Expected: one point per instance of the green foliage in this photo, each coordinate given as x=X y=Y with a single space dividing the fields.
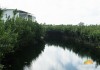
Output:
x=89 y=33
x=17 y=33
x=15 y=12
x=7 y=39
x=1 y=11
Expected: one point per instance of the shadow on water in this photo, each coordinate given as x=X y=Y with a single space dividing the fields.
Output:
x=81 y=48
x=17 y=60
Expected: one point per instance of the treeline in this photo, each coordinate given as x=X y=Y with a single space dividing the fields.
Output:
x=17 y=33
x=90 y=33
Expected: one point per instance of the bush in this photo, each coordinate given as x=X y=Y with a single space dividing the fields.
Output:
x=17 y=33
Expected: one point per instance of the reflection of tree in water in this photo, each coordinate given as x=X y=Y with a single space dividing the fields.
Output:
x=22 y=57
x=83 y=49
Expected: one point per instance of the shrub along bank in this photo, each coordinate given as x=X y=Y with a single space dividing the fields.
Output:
x=89 y=34
x=17 y=33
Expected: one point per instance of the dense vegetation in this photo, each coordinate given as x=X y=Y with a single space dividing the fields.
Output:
x=88 y=34
x=18 y=33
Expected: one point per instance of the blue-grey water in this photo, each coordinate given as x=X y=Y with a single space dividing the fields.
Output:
x=56 y=58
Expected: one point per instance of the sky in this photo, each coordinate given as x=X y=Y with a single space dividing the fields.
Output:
x=58 y=11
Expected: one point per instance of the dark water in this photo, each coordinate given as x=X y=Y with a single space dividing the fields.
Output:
x=22 y=57
x=57 y=58
x=54 y=56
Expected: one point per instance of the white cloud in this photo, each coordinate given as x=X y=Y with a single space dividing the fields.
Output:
x=59 y=11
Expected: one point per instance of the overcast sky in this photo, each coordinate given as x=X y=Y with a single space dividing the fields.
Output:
x=59 y=11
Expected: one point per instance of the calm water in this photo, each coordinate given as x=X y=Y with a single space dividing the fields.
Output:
x=57 y=58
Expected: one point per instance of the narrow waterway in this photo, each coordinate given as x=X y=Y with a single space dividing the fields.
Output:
x=59 y=58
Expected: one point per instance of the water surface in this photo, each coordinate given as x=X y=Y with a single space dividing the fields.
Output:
x=57 y=58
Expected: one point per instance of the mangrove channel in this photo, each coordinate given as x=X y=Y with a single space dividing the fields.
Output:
x=27 y=45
